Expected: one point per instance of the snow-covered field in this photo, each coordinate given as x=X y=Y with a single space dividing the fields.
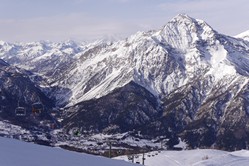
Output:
x=17 y=153
x=199 y=157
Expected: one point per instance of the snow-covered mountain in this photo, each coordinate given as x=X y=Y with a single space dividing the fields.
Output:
x=161 y=60
x=184 y=80
x=243 y=35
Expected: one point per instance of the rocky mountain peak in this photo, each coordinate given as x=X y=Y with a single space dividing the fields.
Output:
x=182 y=32
x=182 y=18
x=243 y=35
x=187 y=22
x=2 y=43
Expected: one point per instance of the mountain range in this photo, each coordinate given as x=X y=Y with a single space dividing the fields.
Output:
x=185 y=80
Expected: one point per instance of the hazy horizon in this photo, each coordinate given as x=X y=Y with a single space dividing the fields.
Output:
x=85 y=20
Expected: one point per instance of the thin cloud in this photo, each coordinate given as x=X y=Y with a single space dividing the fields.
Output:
x=77 y=26
x=200 y=5
x=227 y=16
x=122 y=1
x=89 y=20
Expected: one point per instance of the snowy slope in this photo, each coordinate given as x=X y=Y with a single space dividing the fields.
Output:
x=200 y=157
x=13 y=153
x=161 y=60
x=16 y=153
x=243 y=35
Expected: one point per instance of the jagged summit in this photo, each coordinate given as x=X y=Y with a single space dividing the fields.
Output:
x=187 y=20
x=182 y=17
x=183 y=31
x=2 y=43
x=243 y=35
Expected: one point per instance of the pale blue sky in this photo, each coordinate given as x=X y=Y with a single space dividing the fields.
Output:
x=84 y=20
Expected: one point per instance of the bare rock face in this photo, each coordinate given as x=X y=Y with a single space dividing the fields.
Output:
x=127 y=108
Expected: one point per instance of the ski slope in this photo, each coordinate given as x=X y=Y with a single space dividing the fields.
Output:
x=199 y=157
x=17 y=153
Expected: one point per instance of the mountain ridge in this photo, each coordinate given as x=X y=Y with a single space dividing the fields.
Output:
x=198 y=76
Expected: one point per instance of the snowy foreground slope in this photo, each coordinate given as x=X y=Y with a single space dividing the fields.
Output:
x=17 y=153
x=199 y=157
